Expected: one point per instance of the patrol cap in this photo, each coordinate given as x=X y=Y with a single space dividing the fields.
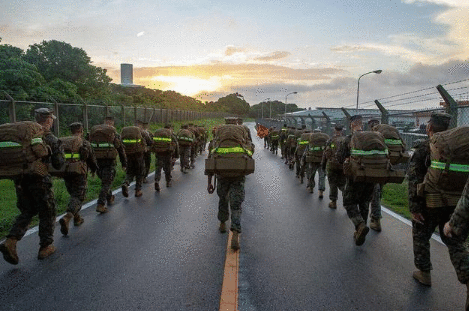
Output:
x=440 y=119
x=373 y=121
x=355 y=117
x=231 y=120
x=45 y=113
x=75 y=126
x=338 y=127
x=167 y=126
x=109 y=118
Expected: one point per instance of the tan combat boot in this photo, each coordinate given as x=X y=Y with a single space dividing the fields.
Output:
x=138 y=193
x=360 y=234
x=157 y=187
x=375 y=224
x=301 y=179
x=169 y=184
x=111 y=200
x=235 y=240
x=321 y=194
x=8 y=248
x=424 y=277
x=125 y=191
x=333 y=204
x=100 y=208
x=222 y=227
x=64 y=223
x=46 y=251
x=78 y=220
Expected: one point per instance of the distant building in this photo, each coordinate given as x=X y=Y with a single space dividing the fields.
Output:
x=127 y=74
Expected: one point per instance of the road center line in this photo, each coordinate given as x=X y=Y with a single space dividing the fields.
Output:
x=229 y=291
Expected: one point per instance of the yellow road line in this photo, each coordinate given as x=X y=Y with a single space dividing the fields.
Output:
x=229 y=291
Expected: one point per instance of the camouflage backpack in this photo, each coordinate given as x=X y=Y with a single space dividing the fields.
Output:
x=162 y=141
x=331 y=153
x=74 y=164
x=275 y=135
x=302 y=144
x=316 y=147
x=133 y=140
x=392 y=139
x=102 y=138
x=22 y=150
x=185 y=137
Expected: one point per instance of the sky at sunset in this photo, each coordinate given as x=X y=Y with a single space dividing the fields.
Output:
x=261 y=49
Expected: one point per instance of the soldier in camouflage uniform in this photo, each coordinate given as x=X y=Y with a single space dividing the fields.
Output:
x=375 y=205
x=136 y=168
x=163 y=161
x=424 y=219
x=76 y=184
x=311 y=168
x=107 y=171
x=335 y=172
x=193 y=154
x=356 y=195
x=184 y=151
x=35 y=197
x=457 y=229
x=282 y=140
x=147 y=154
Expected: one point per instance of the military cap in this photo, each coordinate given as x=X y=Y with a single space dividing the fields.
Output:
x=303 y=126
x=373 y=121
x=355 y=117
x=231 y=120
x=184 y=126
x=44 y=113
x=440 y=119
x=317 y=131
x=75 y=126
x=109 y=118
x=338 y=127
x=167 y=126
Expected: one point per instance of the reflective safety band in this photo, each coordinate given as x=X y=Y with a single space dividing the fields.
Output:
x=369 y=153
x=72 y=156
x=284 y=129
x=35 y=141
x=131 y=141
x=393 y=141
x=162 y=139
x=275 y=136
x=185 y=138
x=303 y=142
x=291 y=136
x=9 y=144
x=332 y=146
x=102 y=145
x=452 y=167
x=316 y=148
x=232 y=150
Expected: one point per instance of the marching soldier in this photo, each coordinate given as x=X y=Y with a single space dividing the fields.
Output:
x=375 y=205
x=185 y=140
x=164 y=157
x=35 y=197
x=147 y=154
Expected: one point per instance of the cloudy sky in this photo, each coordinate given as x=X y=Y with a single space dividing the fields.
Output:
x=264 y=49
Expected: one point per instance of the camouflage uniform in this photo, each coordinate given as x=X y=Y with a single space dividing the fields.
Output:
x=136 y=165
x=434 y=217
x=375 y=205
x=107 y=171
x=282 y=140
x=184 y=154
x=356 y=195
x=147 y=158
x=335 y=174
x=164 y=161
x=231 y=193
x=35 y=197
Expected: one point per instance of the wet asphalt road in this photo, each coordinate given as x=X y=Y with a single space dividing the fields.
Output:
x=163 y=252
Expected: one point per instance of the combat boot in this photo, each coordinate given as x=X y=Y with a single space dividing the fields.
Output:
x=301 y=180
x=100 y=208
x=64 y=223
x=157 y=187
x=145 y=181
x=424 y=277
x=8 y=249
x=46 y=251
x=235 y=240
x=333 y=204
x=375 y=224
x=138 y=193
x=125 y=191
x=222 y=227
x=311 y=189
x=169 y=184
x=110 y=201
x=321 y=194
x=78 y=220
x=360 y=234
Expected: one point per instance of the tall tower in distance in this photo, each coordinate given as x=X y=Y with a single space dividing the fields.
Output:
x=127 y=74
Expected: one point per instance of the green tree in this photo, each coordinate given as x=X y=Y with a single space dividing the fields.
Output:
x=235 y=104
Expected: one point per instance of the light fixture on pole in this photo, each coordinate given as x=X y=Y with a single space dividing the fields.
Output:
x=263 y=107
x=358 y=88
x=286 y=102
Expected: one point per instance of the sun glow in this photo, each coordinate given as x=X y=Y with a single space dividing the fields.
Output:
x=188 y=85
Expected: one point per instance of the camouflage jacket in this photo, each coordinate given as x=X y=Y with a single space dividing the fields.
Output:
x=460 y=218
x=343 y=150
x=87 y=153
x=418 y=166
x=120 y=149
x=330 y=151
x=57 y=157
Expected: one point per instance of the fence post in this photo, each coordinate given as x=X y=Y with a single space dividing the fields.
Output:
x=328 y=123
x=12 y=107
x=144 y=114
x=135 y=114
x=57 y=121
x=107 y=110
x=451 y=106
x=347 y=120
x=85 y=117
x=313 y=122
x=123 y=115
x=384 y=113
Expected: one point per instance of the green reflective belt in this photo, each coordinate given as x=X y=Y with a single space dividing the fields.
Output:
x=332 y=146
x=102 y=145
x=284 y=130
x=369 y=153
x=291 y=136
x=452 y=167
x=35 y=141
x=9 y=144
x=162 y=139
x=185 y=138
x=393 y=141
x=303 y=142
x=275 y=136
x=232 y=150
x=72 y=156
x=316 y=148
x=131 y=141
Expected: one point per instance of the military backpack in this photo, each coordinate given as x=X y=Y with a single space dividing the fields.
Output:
x=331 y=153
x=162 y=141
x=74 y=164
x=396 y=146
x=185 y=137
x=132 y=139
x=102 y=138
x=316 y=147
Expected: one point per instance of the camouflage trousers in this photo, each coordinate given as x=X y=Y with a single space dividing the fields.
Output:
x=337 y=180
x=422 y=233
x=231 y=194
x=282 y=149
x=35 y=197
x=357 y=196
x=163 y=162
x=311 y=169
x=106 y=172
x=147 y=158
x=135 y=169
x=76 y=186
x=184 y=156
x=298 y=165
x=274 y=146
x=193 y=154
x=376 y=202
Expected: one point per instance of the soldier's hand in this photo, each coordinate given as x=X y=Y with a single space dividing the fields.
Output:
x=448 y=230
x=418 y=218
x=210 y=188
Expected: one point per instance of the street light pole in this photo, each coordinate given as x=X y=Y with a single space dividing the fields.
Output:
x=285 y=116
x=358 y=88
x=263 y=107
